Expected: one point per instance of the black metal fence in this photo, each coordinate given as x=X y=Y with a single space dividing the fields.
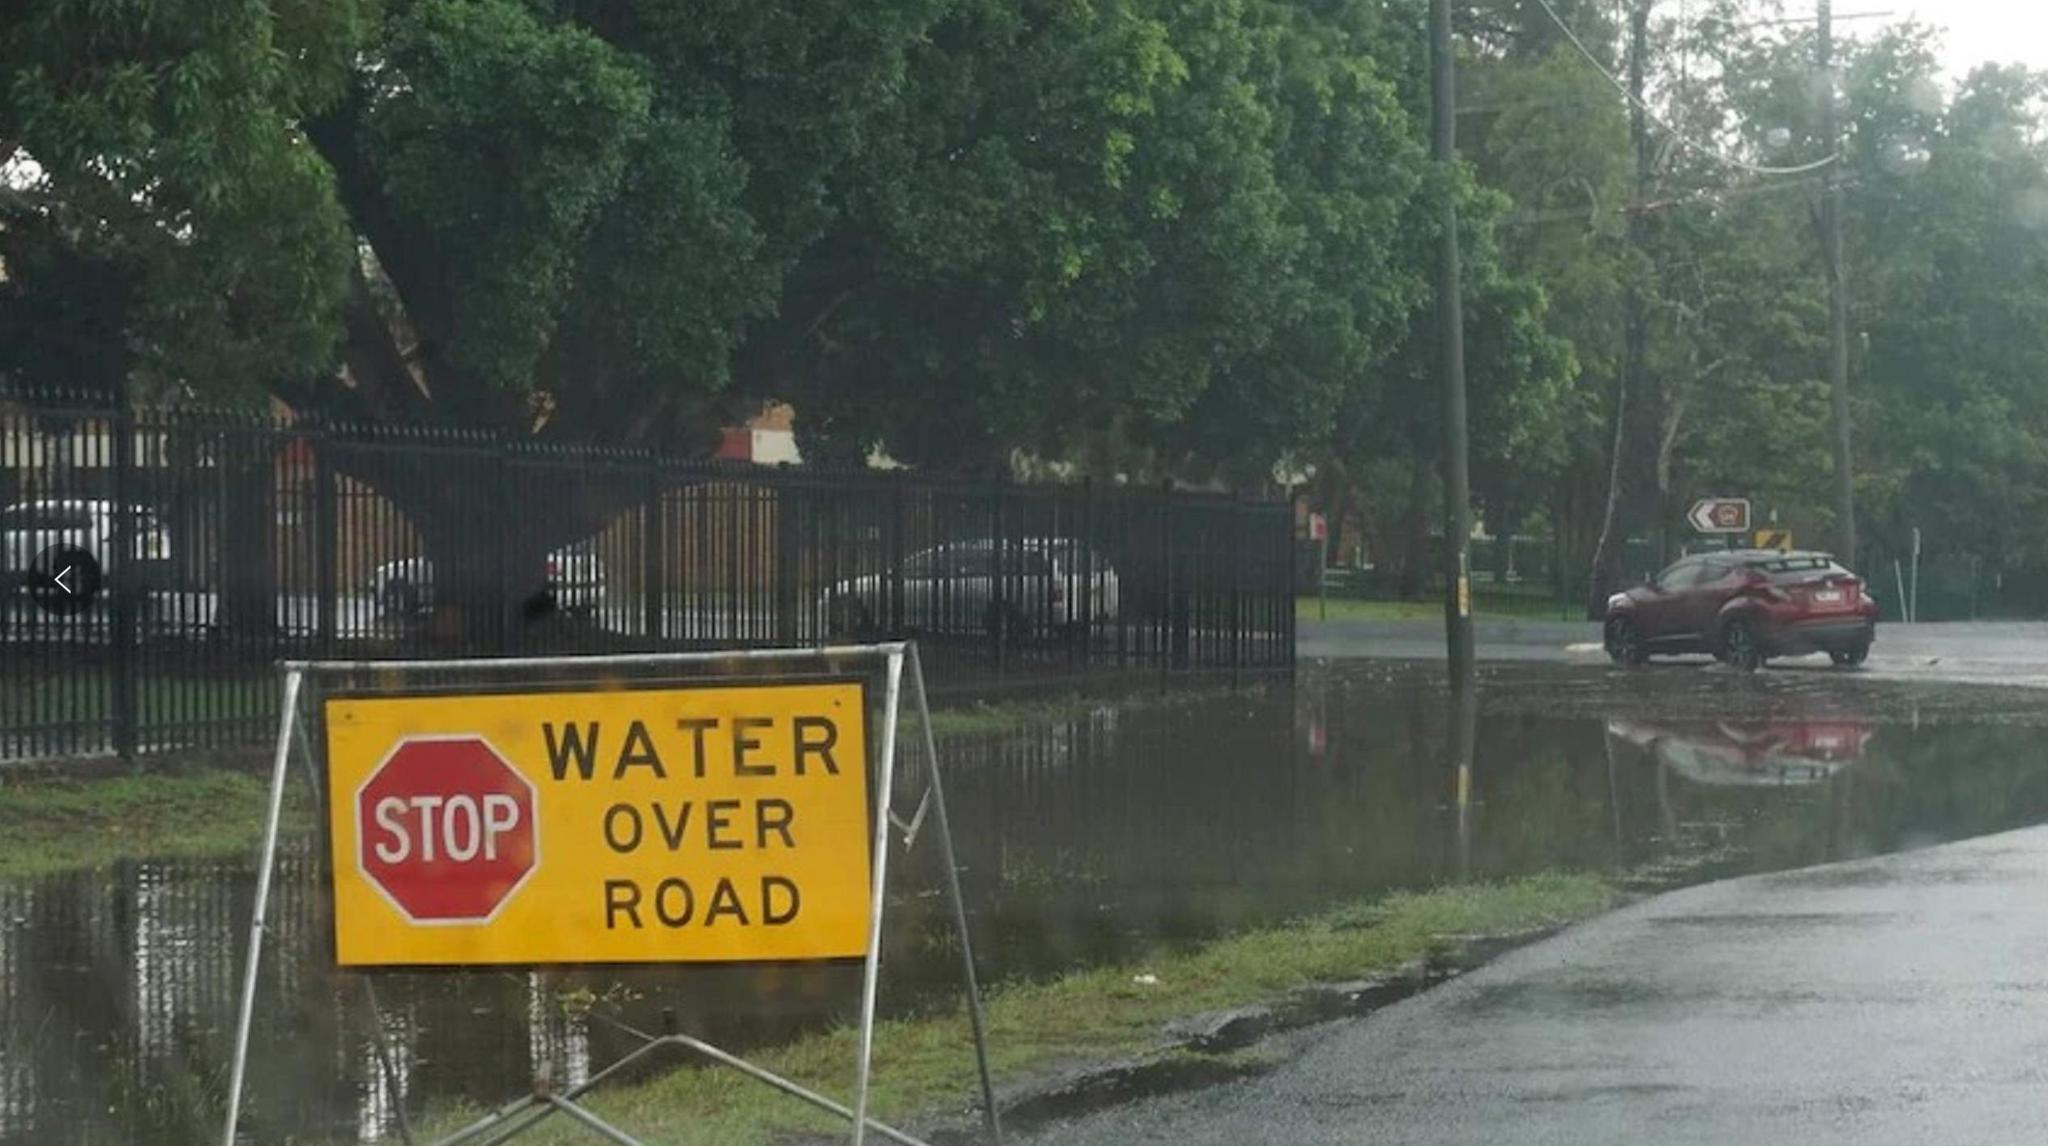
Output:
x=226 y=542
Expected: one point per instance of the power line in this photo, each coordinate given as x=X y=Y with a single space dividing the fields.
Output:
x=1704 y=148
x=1646 y=206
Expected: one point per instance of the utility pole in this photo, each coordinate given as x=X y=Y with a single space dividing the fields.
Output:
x=1451 y=361
x=1838 y=298
x=1636 y=333
x=1610 y=550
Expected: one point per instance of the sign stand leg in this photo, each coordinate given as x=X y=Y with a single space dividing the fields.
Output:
x=385 y=1066
x=285 y=716
x=991 y=1118
x=514 y=1118
x=871 y=978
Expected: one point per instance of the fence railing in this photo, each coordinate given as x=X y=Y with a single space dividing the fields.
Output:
x=225 y=542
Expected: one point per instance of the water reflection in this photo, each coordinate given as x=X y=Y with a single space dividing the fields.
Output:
x=1759 y=752
x=1095 y=839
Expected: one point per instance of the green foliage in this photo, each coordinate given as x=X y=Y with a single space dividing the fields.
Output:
x=162 y=154
x=1188 y=238
x=495 y=139
x=1192 y=230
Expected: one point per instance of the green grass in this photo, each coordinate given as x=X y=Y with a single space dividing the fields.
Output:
x=85 y=696
x=924 y=1068
x=982 y=718
x=51 y=824
x=1353 y=609
x=1488 y=605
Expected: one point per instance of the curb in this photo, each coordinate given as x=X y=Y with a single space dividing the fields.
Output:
x=1216 y=1047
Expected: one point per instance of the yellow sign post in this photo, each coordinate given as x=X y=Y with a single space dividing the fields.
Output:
x=658 y=825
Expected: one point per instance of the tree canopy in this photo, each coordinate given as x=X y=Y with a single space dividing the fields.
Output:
x=1148 y=238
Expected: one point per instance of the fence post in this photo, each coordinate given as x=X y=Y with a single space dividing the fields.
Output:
x=997 y=612
x=326 y=539
x=892 y=560
x=1290 y=613
x=122 y=629
x=788 y=553
x=1084 y=652
x=1169 y=633
x=1237 y=544
x=653 y=557
x=505 y=626
x=732 y=493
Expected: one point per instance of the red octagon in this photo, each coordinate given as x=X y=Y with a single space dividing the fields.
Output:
x=445 y=828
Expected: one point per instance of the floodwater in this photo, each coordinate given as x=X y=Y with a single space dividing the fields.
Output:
x=1100 y=838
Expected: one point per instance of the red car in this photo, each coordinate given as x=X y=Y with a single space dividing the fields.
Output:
x=1745 y=606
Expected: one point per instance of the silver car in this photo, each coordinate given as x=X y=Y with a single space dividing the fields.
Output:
x=1039 y=586
x=575 y=576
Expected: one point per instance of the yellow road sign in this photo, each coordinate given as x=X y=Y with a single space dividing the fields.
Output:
x=1779 y=539
x=663 y=825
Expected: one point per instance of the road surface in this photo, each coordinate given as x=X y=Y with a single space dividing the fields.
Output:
x=1902 y=1000
x=2006 y=652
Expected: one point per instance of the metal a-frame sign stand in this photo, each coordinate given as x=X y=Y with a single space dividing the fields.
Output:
x=511 y=1120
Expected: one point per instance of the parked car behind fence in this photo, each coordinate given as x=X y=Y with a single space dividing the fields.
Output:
x=576 y=580
x=1032 y=587
x=88 y=526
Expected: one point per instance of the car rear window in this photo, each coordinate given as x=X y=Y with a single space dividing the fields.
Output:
x=1798 y=568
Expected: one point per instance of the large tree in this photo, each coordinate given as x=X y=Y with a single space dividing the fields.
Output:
x=163 y=220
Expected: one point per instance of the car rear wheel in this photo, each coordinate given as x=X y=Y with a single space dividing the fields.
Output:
x=1740 y=647
x=1625 y=643
x=1850 y=657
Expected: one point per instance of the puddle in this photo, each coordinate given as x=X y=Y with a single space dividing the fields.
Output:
x=1095 y=839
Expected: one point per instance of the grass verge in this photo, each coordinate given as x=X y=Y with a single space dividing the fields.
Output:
x=50 y=822
x=982 y=718
x=1508 y=606
x=924 y=1069
x=53 y=823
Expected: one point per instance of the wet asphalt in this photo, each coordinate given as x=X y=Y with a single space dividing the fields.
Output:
x=1898 y=999
x=2004 y=652
x=1902 y=999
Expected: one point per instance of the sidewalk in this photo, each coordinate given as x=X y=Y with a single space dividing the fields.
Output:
x=1902 y=999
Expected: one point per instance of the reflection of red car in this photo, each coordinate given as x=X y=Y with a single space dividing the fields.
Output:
x=1750 y=753
x=1745 y=607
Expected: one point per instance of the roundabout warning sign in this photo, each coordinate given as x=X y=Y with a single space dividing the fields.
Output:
x=662 y=825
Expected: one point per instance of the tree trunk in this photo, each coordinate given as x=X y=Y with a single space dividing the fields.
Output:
x=487 y=523
x=246 y=578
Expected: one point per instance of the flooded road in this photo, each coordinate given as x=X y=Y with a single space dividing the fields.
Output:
x=1091 y=840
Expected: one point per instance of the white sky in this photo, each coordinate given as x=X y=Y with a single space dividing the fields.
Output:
x=1977 y=30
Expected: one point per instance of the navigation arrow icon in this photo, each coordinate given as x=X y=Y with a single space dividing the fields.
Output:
x=59 y=579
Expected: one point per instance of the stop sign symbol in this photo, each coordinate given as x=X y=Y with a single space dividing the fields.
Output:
x=445 y=828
